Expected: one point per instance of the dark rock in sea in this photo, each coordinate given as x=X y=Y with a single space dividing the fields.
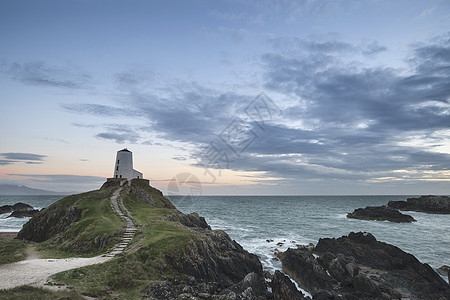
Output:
x=427 y=204
x=283 y=288
x=23 y=213
x=358 y=266
x=444 y=271
x=16 y=207
x=22 y=207
x=380 y=213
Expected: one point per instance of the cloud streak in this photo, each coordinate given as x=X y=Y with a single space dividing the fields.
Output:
x=40 y=74
x=15 y=157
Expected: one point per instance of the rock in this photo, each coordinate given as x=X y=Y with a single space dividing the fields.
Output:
x=386 y=266
x=23 y=213
x=283 y=288
x=444 y=271
x=214 y=257
x=380 y=213
x=5 y=209
x=193 y=220
x=16 y=207
x=428 y=204
x=160 y=290
x=252 y=285
x=49 y=222
x=22 y=207
x=301 y=265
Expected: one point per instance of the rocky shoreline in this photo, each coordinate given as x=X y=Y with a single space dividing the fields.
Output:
x=358 y=266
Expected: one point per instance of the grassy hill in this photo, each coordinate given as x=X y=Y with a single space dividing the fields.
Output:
x=169 y=247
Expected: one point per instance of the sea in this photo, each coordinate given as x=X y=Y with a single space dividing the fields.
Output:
x=266 y=224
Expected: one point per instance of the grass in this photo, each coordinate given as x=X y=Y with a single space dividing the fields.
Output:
x=28 y=292
x=126 y=275
x=98 y=222
x=12 y=250
x=129 y=273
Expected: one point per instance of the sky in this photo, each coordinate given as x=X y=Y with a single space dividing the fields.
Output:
x=232 y=97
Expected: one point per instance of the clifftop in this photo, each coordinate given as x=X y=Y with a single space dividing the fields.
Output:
x=171 y=253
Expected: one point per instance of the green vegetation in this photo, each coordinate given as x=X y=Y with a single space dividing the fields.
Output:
x=12 y=250
x=157 y=237
x=98 y=230
x=159 y=240
x=28 y=292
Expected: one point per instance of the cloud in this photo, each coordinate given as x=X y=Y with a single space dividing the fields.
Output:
x=342 y=119
x=62 y=178
x=120 y=134
x=15 y=157
x=39 y=73
x=99 y=110
x=358 y=115
x=373 y=48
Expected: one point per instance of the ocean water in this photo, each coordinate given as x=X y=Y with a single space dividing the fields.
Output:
x=265 y=224
x=15 y=224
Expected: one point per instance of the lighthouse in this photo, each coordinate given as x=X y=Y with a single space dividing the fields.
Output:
x=124 y=166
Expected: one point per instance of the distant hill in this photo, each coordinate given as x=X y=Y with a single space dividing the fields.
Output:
x=10 y=189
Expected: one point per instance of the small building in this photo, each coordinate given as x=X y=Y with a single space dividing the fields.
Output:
x=124 y=166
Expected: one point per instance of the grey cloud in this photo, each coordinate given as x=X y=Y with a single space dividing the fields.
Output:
x=373 y=48
x=23 y=156
x=99 y=110
x=39 y=73
x=15 y=157
x=119 y=138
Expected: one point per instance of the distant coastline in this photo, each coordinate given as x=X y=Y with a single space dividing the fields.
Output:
x=21 y=190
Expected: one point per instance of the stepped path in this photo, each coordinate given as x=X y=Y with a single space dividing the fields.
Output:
x=35 y=271
x=130 y=230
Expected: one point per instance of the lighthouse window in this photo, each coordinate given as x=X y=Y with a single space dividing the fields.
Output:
x=117 y=161
x=117 y=169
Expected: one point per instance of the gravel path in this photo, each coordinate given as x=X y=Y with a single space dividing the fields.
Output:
x=34 y=271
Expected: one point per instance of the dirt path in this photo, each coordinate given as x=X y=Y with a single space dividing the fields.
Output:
x=32 y=253
x=35 y=271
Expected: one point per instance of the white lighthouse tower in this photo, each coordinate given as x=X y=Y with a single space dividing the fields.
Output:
x=124 y=166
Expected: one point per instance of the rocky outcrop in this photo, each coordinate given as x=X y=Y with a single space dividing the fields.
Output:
x=49 y=222
x=192 y=220
x=427 y=204
x=250 y=287
x=283 y=288
x=214 y=257
x=380 y=213
x=358 y=266
x=16 y=207
x=23 y=213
